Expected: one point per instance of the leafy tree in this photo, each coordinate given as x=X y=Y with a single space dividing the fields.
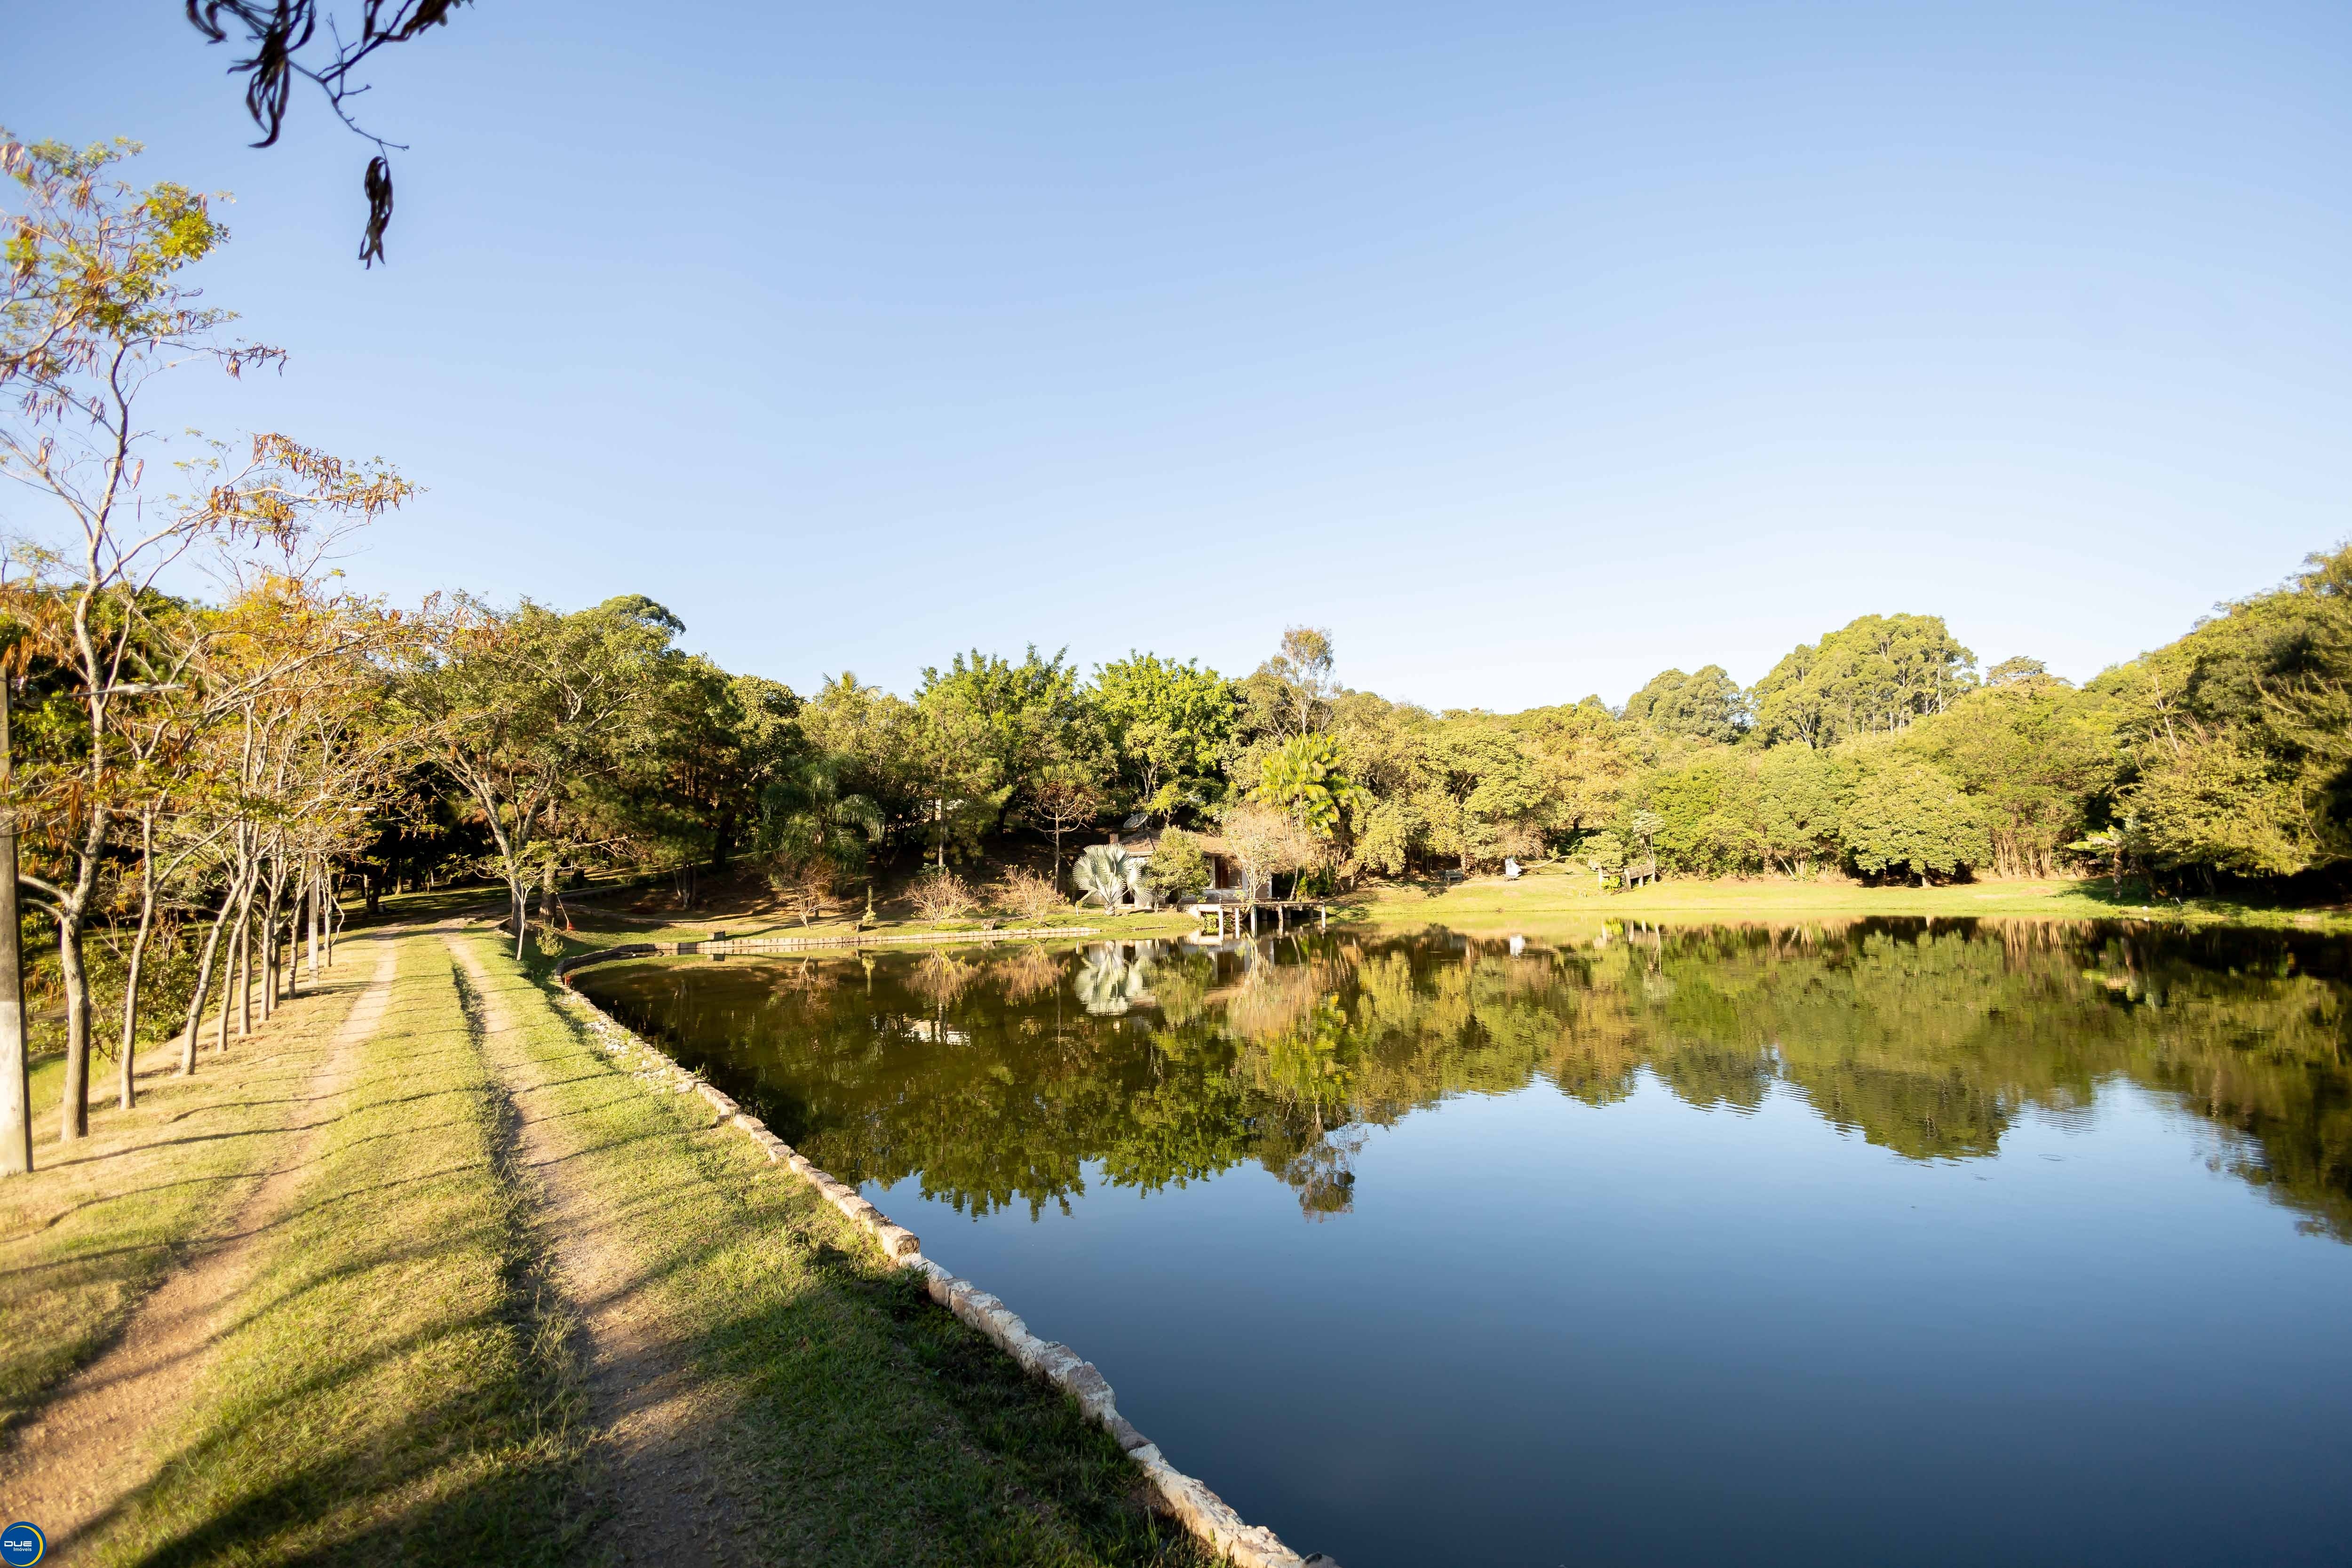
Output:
x=1177 y=868
x=1796 y=810
x=1302 y=778
x=1706 y=706
x=1385 y=842
x=2238 y=737
x=2215 y=802
x=1485 y=799
x=2036 y=756
x=1583 y=760
x=815 y=830
x=1172 y=726
x=1902 y=814
x=1291 y=694
x=94 y=307
x=1267 y=841
x=1873 y=676
x=988 y=727
x=1700 y=817
x=876 y=738
x=523 y=708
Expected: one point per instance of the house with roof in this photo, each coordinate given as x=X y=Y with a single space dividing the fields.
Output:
x=1227 y=882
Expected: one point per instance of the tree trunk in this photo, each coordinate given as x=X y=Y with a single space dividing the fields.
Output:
x=245 y=968
x=236 y=931
x=315 y=881
x=129 y=1088
x=270 y=975
x=204 y=986
x=15 y=1070
x=73 y=1113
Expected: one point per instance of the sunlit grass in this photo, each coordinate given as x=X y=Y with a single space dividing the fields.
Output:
x=399 y=1381
x=85 y=1237
x=389 y=1390
x=1560 y=896
x=869 y=1426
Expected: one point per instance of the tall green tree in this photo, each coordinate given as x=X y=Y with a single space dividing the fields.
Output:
x=1172 y=728
x=2035 y=754
x=1901 y=815
x=1873 y=676
x=1708 y=705
x=526 y=708
x=1303 y=778
x=988 y=727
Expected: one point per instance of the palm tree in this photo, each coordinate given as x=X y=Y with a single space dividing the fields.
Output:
x=1304 y=778
x=807 y=819
x=1106 y=872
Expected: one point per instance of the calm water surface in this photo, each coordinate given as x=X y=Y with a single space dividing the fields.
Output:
x=1831 y=1244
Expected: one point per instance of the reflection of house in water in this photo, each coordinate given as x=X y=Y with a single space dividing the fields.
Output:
x=935 y=1032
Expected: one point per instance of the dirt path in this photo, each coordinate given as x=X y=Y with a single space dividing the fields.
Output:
x=86 y=1449
x=670 y=1498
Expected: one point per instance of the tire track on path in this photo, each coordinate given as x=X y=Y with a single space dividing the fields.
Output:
x=671 y=1507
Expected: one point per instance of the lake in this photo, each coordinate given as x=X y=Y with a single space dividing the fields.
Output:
x=1862 y=1243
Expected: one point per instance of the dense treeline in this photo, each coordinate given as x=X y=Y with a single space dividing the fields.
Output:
x=1880 y=752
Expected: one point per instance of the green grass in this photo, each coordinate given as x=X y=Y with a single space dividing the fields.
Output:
x=391 y=1390
x=1556 y=896
x=400 y=1382
x=868 y=1426
x=90 y=1232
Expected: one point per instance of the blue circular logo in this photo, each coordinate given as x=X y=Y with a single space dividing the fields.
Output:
x=22 y=1544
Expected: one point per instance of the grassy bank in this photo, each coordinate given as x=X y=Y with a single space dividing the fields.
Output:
x=1553 y=895
x=400 y=1378
x=865 y=1423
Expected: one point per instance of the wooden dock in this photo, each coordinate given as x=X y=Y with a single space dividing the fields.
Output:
x=1245 y=913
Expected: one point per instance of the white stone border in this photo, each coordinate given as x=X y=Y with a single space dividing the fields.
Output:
x=1185 y=1499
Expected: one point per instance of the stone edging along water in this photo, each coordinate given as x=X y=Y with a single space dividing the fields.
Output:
x=1187 y=1500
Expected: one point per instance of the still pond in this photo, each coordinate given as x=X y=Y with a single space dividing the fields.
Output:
x=1849 y=1243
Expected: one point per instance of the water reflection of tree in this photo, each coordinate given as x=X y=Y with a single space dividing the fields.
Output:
x=941 y=978
x=1029 y=973
x=1929 y=1041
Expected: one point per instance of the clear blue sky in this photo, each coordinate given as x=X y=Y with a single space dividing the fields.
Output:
x=1529 y=349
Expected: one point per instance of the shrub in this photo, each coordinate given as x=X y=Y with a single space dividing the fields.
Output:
x=941 y=895
x=1177 y=868
x=1029 y=895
